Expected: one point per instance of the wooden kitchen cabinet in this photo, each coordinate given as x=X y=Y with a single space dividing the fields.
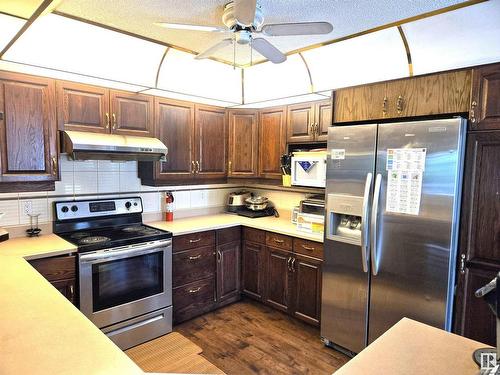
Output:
x=309 y=122
x=272 y=141
x=100 y=110
x=28 y=128
x=211 y=142
x=243 y=143
x=278 y=278
x=485 y=102
x=228 y=265
x=82 y=107
x=132 y=114
x=253 y=269
x=306 y=304
x=442 y=93
x=479 y=254
x=174 y=121
x=60 y=271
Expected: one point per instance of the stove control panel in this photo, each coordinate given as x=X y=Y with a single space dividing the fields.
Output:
x=98 y=207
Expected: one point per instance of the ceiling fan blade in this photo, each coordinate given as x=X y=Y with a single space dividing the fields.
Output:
x=267 y=50
x=244 y=11
x=300 y=28
x=180 y=26
x=208 y=52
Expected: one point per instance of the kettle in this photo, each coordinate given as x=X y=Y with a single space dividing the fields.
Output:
x=236 y=200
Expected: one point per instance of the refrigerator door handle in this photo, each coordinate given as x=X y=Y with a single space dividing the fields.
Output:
x=365 y=245
x=373 y=229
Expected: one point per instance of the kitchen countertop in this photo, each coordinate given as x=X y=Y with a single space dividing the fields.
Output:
x=195 y=224
x=410 y=347
x=36 y=247
x=43 y=333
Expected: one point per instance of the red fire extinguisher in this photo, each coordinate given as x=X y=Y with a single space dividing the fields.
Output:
x=169 y=207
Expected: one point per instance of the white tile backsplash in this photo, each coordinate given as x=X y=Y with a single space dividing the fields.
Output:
x=108 y=182
x=108 y=166
x=65 y=186
x=10 y=209
x=66 y=164
x=38 y=206
x=85 y=165
x=128 y=166
x=85 y=182
x=182 y=199
x=129 y=181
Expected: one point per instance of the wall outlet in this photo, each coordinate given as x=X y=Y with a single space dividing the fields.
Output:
x=28 y=207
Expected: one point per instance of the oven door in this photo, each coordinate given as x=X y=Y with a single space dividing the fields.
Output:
x=125 y=282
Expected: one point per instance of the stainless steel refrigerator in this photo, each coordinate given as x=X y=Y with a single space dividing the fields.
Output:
x=391 y=229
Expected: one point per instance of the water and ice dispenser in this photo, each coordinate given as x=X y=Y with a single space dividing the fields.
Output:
x=344 y=218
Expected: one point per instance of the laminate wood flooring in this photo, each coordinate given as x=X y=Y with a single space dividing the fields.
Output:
x=250 y=338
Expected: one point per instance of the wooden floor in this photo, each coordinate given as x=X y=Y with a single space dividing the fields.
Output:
x=250 y=338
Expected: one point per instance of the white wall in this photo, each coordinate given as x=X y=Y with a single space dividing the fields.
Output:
x=100 y=179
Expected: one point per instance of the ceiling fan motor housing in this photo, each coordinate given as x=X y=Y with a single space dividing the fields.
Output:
x=232 y=23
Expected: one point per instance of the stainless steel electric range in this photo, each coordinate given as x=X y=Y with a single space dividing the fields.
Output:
x=124 y=267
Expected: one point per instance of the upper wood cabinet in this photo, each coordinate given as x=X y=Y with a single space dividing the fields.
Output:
x=132 y=114
x=485 y=102
x=28 y=128
x=211 y=142
x=441 y=93
x=243 y=143
x=308 y=122
x=100 y=110
x=82 y=107
x=272 y=141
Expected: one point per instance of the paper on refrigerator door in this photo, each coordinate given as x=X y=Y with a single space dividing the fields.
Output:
x=337 y=154
x=405 y=168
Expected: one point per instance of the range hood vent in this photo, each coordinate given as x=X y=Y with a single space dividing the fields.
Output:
x=85 y=146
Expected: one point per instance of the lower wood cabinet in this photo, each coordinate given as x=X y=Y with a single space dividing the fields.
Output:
x=60 y=272
x=253 y=270
x=193 y=299
x=228 y=265
x=306 y=299
x=278 y=279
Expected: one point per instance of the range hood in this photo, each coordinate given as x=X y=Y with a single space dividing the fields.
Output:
x=84 y=146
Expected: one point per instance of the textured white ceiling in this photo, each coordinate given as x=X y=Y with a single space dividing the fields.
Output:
x=347 y=17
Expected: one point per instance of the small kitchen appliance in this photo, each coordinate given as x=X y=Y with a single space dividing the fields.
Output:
x=309 y=168
x=124 y=267
x=311 y=215
x=4 y=235
x=236 y=200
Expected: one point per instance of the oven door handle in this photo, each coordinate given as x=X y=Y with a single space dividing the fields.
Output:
x=108 y=255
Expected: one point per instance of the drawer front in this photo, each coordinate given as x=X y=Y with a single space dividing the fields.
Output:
x=56 y=268
x=192 y=265
x=193 y=240
x=254 y=235
x=193 y=299
x=309 y=248
x=279 y=241
x=228 y=235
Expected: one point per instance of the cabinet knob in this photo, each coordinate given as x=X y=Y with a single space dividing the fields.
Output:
x=54 y=165
x=194 y=241
x=462 y=264
x=384 y=105
x=195 y=257
x=473 y=106
x=293 y=264
x=114 y=121
x=197 y=166
x=229 y=167
x=107 y=120
x=400 y=104
x=288 y=264
x=194 y=290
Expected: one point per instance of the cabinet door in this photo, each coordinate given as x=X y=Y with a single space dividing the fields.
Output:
x=477 y=320
x=243 y=143
x=82 y=107
x=481 y=209
x=272 y=142
x=278 y=276
x=485 y=107
x=211 y=142
x=360 y=103
x=132 y=114
x=175 y=128
x=228 y=272
x=28 y=129
x=307 y=289
x=300 y=122
x=429 y=95
x=66 y=288
x=323 y=111
x=253 y=270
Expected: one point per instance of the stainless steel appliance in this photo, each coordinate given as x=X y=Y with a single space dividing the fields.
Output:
x=124 y=267
x=309 y=168
x=236 y=200
x=392 y=212
x=86 y=145
x=313 y=206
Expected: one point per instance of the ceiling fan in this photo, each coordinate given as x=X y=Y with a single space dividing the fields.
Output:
x=244 y=19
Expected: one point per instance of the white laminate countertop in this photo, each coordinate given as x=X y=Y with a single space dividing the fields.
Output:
x=210 y=222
